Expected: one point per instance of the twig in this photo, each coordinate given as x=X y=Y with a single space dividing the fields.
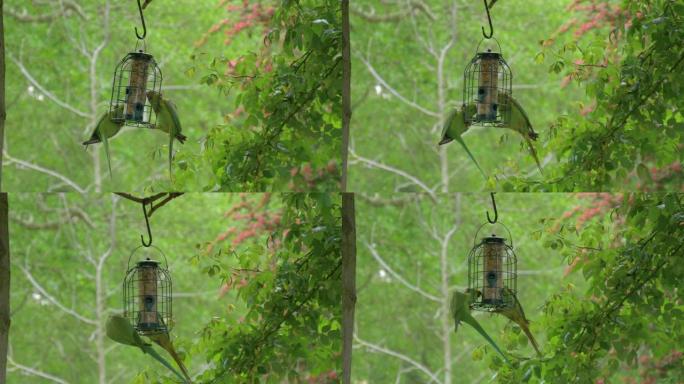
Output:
x=9 y=159
x=47 y=93
x=398 y=355
x=393 y=91
x=54 y=301
x=396 y=171
x=400 y=278
x=35 y=372
x=151 y=199
x=66 y=7
x=413 y=5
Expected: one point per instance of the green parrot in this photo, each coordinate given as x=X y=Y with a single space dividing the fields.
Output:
x=520 y=123
x=106 y=129
x=120 y=330
x=517 y=315
x=456 y=126
x=460 y=310
x=164 y=341
x=167 y=119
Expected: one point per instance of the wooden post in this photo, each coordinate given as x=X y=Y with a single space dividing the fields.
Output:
x=346 y=92
x=4 y=281
x=348 y=283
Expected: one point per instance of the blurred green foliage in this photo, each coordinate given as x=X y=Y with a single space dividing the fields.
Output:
x=598 y=78
x=599 y=278
x=246 y=269
x=277 y=117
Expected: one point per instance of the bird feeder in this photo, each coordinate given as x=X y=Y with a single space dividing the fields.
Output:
x=147 y=295
x=487 y=84
x=135 y=74
x=492 y=270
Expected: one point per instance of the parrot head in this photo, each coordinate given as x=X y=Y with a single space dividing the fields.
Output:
x=154 y=98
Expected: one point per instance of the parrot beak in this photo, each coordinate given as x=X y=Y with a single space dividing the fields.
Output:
x=445 y=140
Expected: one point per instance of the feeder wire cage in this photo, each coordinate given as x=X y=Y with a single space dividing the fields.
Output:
x=492 y=273
x=135 y=75
x=487 y=89
x=147 y=291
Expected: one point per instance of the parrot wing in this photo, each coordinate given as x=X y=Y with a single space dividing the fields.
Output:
x=119 y=329
x=520 y=123
x=454 y=127
x=461 y=312
x=445 y=137
x=517 y=109
x=173 y=113
x=95 y=136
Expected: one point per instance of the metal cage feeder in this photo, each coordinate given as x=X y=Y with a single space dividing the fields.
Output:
x=492 y=269
x=147 y=291
x=134 y=76
x=487 y=80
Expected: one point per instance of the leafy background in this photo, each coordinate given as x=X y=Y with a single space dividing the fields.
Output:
x=580 y=69
x=598 y=278
x=237 y=70
x=256 y=286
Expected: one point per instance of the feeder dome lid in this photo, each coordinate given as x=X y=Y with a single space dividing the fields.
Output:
x=489 y=54
x=493 y=239
x=148 y=263
x=140 y=55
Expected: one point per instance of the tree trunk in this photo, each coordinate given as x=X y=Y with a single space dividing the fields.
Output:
x=2 y=88
x=4 y=221
x=348 y=282
x=4 y=282
x=346 y=92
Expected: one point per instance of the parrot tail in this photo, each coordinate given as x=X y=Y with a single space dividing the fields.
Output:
x=473 y=323
x=463 y=144
x=148 y=349
x=180 y=137
x=533 y=152
x=532 y=340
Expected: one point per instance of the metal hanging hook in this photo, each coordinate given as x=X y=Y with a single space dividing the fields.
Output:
x=489 y=18
x=149 y=231
x=496 y=213
x=142 y=18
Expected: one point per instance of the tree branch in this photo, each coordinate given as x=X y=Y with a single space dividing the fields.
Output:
x=399 y=356
x=54 y=301
x=67 y=7
x=393 y=91
x=35 y=167
x=397 y=276
x=34 y=372
x=399 y=172
x=413 y=6
x=42 y=89
x=151 y=199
